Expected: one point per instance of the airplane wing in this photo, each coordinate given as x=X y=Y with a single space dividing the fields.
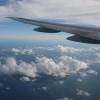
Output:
x=84 y=33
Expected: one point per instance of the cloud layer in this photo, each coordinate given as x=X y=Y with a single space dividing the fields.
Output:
x=52 y=8
x=67 y=61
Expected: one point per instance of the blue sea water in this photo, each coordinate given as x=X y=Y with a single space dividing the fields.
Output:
x=48 y=87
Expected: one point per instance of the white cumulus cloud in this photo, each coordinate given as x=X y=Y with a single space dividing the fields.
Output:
x=11 y=67
x=64 y=66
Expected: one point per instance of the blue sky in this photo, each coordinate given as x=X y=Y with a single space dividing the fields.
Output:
x=3 y=2
x=17 y=30
x=14 y=27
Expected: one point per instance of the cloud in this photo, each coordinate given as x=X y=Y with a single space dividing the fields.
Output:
x=92 y=72
x=89 y=55
x=61 y=82
x=83 y=74
x=83 y=93
x=22 y=51
x=64 y=66
x=11 y=67
x=7 y=88
x=66 y=98
x=67 y=61
x=67 y=50
x=23 y=78
x=52 y=8
x=44 y=88
x=86 y=73
x=79 y=80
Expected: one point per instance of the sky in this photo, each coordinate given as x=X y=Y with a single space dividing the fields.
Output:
x=56 y=60
x=85 y=11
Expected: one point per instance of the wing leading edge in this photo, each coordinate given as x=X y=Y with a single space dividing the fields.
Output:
x=90 y=32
